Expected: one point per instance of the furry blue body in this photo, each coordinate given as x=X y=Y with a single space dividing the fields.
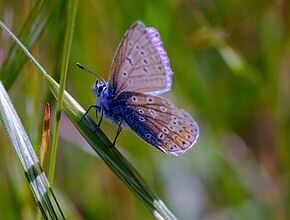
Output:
x=115 y=108
x=109 y=104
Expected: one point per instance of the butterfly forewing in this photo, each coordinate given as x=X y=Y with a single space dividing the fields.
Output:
x=159 y=122
x=141 y=63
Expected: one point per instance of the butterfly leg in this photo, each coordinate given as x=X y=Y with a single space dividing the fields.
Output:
x=92 y=106
x=101 y=117
x=118 y=132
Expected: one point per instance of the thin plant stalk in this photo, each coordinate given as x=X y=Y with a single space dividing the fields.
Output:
x=73 y=5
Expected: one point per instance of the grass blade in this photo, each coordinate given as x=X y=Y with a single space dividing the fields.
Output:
x=32 y=30
x=72 y=12
x=38 y=182
x=102 y=145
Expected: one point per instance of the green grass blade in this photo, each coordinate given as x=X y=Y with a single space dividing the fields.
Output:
x=72 y=12
x=102 y=145
x=32 y=30
x=38 y=182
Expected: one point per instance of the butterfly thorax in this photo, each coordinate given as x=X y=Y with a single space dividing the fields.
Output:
x=107 y=103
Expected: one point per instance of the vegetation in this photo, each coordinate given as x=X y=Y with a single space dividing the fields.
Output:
x=231 y=73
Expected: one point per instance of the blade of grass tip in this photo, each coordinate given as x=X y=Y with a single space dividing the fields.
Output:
x=102 y=145
x=32 y=30
x=72 y=12
x=45 y=142
x=38 y=182
x=45 y=137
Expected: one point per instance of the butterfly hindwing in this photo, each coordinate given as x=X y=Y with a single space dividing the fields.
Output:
x=156 y=120
x=141 y=63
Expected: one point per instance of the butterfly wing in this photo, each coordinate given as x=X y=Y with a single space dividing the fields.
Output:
x=156 y=120
x=141 y=63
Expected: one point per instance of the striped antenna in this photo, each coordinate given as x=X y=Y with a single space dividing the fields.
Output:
x=86 y=69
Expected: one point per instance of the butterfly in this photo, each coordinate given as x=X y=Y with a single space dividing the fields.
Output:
x=140 y=72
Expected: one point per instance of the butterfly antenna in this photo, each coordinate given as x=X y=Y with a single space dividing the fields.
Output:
x=86 y=69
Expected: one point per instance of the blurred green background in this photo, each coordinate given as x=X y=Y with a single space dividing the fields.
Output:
x=231 y=63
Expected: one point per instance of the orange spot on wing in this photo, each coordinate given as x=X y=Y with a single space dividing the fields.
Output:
x=185 y=133
x=178 y=141
x=167 y=144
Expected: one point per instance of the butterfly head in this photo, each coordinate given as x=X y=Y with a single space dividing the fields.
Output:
x=99 y=88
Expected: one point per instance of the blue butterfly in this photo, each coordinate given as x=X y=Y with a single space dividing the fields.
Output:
x=139 y=73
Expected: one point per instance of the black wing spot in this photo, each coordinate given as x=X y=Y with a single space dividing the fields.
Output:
x=129 y=60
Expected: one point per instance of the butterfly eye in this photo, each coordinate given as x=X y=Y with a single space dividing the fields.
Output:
x=101 y=88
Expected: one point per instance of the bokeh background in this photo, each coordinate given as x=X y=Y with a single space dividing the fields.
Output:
x=231 y=63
